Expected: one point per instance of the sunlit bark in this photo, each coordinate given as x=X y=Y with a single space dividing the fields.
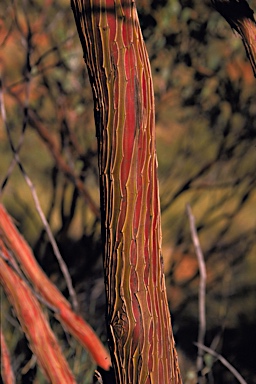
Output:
x=138 y=318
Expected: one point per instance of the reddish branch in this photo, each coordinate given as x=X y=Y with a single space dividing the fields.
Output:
x=240 y=17
x=6 y=368
x=34 y=324
x=42 y=284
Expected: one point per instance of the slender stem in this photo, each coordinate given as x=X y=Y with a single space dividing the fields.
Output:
x=202 y=288
x=31 y=186
x=222 y=359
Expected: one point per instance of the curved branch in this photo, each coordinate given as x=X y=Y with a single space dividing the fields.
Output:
x=240 y=17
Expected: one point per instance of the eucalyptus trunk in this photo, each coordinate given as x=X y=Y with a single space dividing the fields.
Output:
x=138 y=319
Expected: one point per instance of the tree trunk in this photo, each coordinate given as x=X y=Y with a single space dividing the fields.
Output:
x=240 y=17
x=138 y=319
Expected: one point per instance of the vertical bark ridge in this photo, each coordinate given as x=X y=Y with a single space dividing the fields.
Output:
x=141 y=339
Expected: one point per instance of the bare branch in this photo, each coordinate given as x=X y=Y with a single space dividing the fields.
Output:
x=240 y=17
x=11 y=262
x=222 y=359
x=202 y=287
x=61 y=163
x=31 y=186
x=6 y=367
x=98 y=377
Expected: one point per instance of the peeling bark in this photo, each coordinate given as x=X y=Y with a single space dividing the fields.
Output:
x=138 y=318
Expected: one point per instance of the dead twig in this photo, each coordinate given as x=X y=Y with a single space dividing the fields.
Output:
x=61 y=163
x=31 y=186
x=222 y=359
x=202 y=288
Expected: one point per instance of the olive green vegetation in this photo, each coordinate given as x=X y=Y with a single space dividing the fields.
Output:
x=206 y=144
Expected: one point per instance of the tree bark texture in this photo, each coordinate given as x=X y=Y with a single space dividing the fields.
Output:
x=140 y=333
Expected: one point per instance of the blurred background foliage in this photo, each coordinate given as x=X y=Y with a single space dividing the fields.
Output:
x=206 y=143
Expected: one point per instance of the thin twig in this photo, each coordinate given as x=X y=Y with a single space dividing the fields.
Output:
x=61 y=163
x=36 y=64
x=222 y=359
x=24 y=122
x=27 y=42
x=202 y=288
x=63 y=166
x=98 y=376
x=56 y=251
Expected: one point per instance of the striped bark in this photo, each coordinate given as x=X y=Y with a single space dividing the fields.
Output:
x=140 y=333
